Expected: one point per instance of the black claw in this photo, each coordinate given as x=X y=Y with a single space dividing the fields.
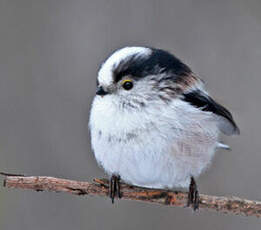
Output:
x=196 y=201
x=112 y=194
x=193 y=195
x=114 y=188
x=119 y=187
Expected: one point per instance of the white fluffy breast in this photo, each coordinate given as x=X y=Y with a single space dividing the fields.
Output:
x=160 y=146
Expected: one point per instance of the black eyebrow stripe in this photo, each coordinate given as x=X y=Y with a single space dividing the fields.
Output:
x=131 y=66
x=139 y=66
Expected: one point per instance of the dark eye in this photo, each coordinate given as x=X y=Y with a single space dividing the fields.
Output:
x=127 y=85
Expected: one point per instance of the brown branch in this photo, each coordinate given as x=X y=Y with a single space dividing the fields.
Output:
x=232 y=205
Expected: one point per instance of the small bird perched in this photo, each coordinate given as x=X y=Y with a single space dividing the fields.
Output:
x=152 y=122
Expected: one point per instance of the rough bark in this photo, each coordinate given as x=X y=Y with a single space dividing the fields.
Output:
x=231 y=205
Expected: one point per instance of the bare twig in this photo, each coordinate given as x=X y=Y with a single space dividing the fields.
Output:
x=232 y=205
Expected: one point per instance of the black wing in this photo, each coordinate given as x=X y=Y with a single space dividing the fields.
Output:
x=200 y=100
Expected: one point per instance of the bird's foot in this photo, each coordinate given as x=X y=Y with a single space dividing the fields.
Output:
x=193 y=195
x=114 y=189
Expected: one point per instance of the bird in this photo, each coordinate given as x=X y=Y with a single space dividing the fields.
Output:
x=152 y=122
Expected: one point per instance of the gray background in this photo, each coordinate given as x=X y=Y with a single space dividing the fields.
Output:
x=50 y=52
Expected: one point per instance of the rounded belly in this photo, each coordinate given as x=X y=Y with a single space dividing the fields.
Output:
x=155 y=164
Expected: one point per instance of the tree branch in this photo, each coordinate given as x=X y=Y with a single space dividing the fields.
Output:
x=232 y=205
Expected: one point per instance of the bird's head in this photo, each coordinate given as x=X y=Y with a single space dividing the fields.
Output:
x=135 y=76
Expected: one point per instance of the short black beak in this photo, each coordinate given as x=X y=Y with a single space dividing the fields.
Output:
x=100 y=91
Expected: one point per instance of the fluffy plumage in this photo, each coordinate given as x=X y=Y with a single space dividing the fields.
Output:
x=163 y=130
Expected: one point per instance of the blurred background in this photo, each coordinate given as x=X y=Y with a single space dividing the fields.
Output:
x=50 y=52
